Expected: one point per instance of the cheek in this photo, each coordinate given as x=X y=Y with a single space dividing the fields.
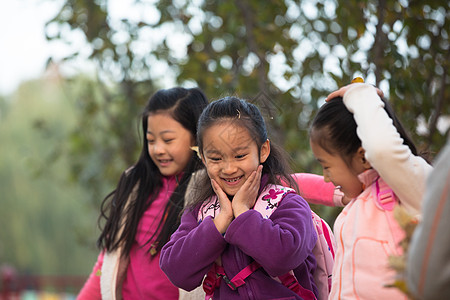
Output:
x=210 y=171
x=149 y=150
x=211 y=168
x=185 y=154
x=327 y=173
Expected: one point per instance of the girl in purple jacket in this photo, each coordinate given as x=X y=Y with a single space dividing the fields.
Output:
x=240 y=161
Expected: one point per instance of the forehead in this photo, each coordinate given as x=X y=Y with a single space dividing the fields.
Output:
x=227 y=135
x=162 y=122
x=320 y=153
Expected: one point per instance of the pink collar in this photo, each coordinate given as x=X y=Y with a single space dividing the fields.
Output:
x=368 y=177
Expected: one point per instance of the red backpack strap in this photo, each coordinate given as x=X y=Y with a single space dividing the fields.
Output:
x=212 y=280
x=289 y=281
x=239 y=279
x=216 y=273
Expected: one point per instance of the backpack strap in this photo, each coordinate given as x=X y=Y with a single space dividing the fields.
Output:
x=238 y=279
x=386 y=197
x=328 y=235
x=323 y=251
x=266 y=202
x=289 y=281
x=269 y=199
x=210 y=207
x=212 y=280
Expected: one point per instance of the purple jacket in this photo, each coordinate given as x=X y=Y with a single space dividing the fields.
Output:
x=281 y=243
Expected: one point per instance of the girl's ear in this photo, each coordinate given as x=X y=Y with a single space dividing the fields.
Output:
x=265 y=151
x=361 y=157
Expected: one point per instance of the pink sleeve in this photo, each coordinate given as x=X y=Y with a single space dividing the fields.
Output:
x=315 y=190
x=91 y=288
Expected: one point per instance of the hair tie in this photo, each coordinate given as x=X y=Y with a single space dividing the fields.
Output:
x=357 y=79
x=195 y=149
x=238 y=114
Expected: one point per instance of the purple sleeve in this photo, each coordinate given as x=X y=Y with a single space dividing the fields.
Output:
x=191 y=251
x=280 y=243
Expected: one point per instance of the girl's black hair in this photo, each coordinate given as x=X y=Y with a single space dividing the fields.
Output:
x=143 y=181
x=242 y=113
x=334 y=129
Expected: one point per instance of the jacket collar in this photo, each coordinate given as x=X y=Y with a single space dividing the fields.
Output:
x=368 y=177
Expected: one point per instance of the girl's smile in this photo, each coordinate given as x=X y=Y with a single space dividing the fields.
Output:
x=232 y=181
x=164 y=162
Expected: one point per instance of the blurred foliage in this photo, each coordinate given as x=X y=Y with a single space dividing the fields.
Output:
x=285 y=56
x=47 y=225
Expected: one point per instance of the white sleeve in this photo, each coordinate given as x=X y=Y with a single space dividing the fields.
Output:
x=404 y=172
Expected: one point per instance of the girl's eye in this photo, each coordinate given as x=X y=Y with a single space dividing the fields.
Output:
x=240 y=156
x=150 y=141
x=168 y=140
x=214 y=158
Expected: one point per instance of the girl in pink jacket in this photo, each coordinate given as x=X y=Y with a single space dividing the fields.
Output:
x=142 y=212
x=365 y=151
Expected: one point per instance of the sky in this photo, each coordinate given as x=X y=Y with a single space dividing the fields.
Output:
x=23 y=47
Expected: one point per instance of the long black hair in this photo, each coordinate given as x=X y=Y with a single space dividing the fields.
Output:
x=334 y=129
x=143 y=180
x=247 y=115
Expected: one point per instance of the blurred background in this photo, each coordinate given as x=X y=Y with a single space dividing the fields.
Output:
x=75 y=75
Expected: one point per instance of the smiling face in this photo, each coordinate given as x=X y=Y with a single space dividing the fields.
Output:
x=339 y=172
x=168 y=144
x=230 y=155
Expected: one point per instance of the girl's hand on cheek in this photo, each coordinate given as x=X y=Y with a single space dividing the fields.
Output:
x=225 y=216
x=246 y=197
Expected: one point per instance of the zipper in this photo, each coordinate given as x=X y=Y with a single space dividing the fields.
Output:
x=342 y=259
x=241 y=260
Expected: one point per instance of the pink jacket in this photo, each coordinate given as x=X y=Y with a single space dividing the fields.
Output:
x=366 y=235
x=139 y=275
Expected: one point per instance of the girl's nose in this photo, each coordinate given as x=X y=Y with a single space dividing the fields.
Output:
x=228 y=168
x=158 y=148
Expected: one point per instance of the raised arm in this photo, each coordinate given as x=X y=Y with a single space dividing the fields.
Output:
x=315 y=190
x=403 y=171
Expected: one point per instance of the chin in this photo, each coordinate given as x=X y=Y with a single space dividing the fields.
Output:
x=229 y=193
x=167 y=172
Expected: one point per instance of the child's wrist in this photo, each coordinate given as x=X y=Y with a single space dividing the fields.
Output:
x=240 y=210
x=222 y=222
x=338 y=197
